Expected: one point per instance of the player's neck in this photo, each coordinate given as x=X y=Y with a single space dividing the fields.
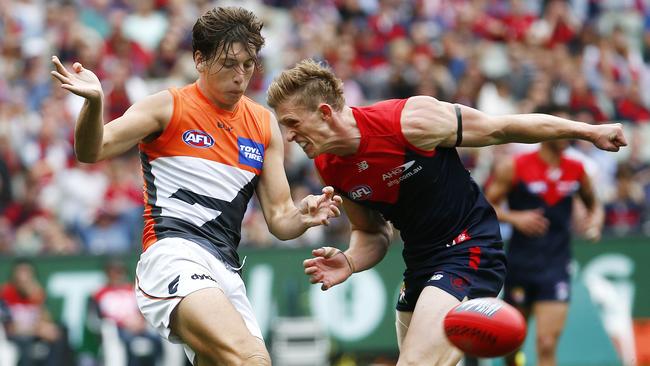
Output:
x=346 y=137
x=550 y=156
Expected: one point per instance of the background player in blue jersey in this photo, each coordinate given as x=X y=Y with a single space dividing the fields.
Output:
x=540 y=187
x=396 y=161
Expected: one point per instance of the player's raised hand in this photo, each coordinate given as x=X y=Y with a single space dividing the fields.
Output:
x=609 y=137
x=330 y=266
x=80 y=81
x=319 y=209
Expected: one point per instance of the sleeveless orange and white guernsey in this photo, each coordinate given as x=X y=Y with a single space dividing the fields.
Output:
x=200 y=173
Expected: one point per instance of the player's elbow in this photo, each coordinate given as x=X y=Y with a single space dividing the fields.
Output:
x=87 y=158
x=87 y=155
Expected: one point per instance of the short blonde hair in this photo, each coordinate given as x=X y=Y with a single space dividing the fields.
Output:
x=309 y=83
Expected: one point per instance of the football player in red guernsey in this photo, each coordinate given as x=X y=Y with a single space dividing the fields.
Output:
x=540 y=187
x=396 y=161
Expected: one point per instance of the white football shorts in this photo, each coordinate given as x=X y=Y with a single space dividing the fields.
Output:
x=173 y=268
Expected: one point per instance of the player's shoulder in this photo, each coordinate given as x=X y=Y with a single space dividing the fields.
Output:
x=160 y=105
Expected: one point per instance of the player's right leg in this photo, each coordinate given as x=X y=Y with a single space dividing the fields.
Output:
x=211 y=326
x=519 y=292
x=423 y=340
x=191 y=297
x=550 y=316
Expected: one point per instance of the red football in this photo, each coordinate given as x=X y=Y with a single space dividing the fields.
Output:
x=485 y=327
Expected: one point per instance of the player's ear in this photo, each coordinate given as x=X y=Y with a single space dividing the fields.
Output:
x=325 y=110
x=199 y=62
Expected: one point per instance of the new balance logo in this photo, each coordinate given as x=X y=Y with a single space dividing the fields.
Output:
x=363 y=165
x=173 y=286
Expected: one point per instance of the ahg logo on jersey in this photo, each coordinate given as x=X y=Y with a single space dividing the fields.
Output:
x=251 y=153
x=360 y=193
x=397 y=171
x=198 y=138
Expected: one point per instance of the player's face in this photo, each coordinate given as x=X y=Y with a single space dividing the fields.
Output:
x=304 y=127
x=227 y=78
x=557 y=146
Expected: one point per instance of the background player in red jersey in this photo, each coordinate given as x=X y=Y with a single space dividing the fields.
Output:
x=205 y=149
x=396 y=161
x=540 y=187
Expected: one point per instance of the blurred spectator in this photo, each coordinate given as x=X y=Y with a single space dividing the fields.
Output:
x=115 y=303
x=146 y=25
x=624 y=213
x=39 y=339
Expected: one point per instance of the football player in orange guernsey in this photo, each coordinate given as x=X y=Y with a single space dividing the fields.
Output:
x=205 y=148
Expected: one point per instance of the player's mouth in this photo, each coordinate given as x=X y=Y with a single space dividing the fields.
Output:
x=303 y=144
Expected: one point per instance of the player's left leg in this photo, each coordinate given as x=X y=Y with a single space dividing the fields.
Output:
x=424 y=341
x=550 y=317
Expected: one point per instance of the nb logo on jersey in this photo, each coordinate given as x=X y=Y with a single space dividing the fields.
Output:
x=363 y=165
x=360 y=193
x=198 y=138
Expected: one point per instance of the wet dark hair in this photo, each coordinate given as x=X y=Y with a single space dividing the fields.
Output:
x=217 y=29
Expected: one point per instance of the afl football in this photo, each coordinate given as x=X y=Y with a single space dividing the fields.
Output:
x=485 y=327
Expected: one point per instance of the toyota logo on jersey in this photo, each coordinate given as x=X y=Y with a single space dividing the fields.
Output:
x=198 y=138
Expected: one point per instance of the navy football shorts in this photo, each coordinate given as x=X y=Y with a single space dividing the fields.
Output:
x=524 y=287
x=475 y=268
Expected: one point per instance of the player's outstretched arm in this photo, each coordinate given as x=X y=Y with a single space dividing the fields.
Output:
x=94 y=140
x=284 y=218
x=369 y=241
x=428 y=122
x=480 y=129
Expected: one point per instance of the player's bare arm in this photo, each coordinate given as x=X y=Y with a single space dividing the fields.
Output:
x=480 y=129
x=428 y=122
x=529 y=222
x=369 y=240
x=94 y=140
x=595 y=212
x=284 y=219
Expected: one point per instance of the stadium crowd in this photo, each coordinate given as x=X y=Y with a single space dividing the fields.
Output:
x=591 y=57
x=498 y=56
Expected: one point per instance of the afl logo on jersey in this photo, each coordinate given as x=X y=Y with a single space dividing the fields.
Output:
x=198 y=138
x=360 y=193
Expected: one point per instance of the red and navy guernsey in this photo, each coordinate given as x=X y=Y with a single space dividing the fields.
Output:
x=429 y=196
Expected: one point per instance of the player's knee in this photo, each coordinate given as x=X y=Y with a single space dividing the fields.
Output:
x=258 y=359
x=546 y=344
x=254 y=354
x=246 y=354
